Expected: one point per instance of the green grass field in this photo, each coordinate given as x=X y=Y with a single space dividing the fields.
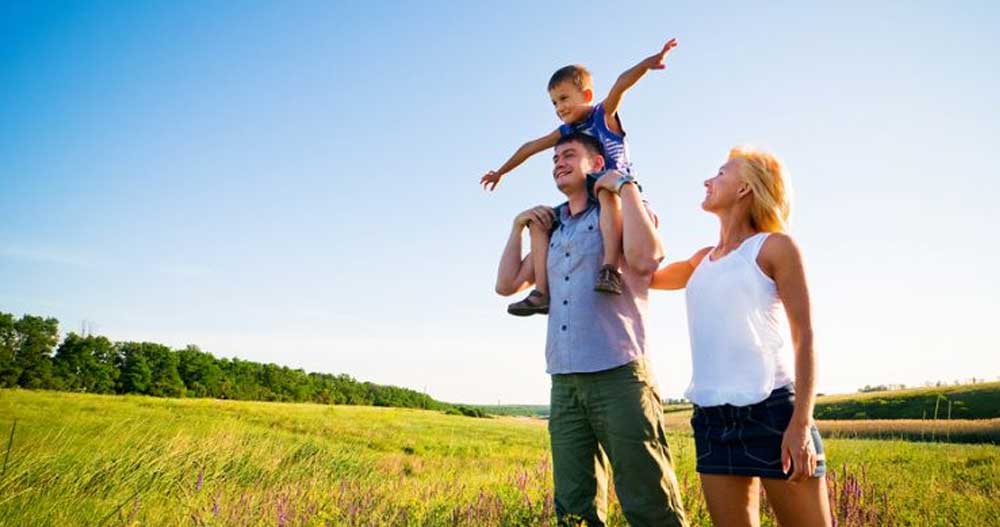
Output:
x=941 y=431
x=967 y=401
x=112 y=460
x=961 y=402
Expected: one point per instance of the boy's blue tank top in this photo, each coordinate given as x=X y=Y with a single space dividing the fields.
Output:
x=615 y=148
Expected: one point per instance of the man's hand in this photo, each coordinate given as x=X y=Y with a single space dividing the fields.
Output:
x=798 y=452
x=491 y=180
x=540 y=216
x=658 y=61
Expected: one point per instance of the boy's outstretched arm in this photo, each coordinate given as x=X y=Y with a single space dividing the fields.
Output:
x=656 y=61
x=493 y=177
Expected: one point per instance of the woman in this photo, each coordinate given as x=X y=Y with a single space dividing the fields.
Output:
x=753 y=390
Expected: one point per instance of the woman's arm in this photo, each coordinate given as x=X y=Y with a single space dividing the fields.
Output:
x=677 y=274
x=781 y=259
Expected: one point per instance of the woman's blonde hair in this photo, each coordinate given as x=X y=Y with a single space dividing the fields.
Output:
x=768 y=181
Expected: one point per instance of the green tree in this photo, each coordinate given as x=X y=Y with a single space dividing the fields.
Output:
x=165 y=381
x=9 y=370
x=200 y=372
x=86 y=364
x=37 y=337
x=135 y=374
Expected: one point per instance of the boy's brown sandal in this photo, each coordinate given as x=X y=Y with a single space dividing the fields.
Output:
x=536 y=303
x=609 y=280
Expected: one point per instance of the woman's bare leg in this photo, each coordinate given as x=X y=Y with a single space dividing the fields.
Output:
x=733 y=501
x=804 y=503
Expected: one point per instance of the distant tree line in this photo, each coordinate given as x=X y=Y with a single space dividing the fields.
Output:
x=31 y=356
x=881 y=388
x=927 y=384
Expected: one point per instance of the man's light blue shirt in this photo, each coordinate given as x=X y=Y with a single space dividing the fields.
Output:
x=590 y=331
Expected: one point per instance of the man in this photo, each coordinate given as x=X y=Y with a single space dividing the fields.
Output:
x=604 y=401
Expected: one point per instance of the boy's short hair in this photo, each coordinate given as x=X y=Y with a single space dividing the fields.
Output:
x=574 y=73
x=589 y=142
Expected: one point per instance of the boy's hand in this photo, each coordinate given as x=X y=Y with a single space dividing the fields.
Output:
x=491 y=180
x=607 y=182
x=658 y=61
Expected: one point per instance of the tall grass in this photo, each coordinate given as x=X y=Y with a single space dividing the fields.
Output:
x=953 y=431
x=130 y=461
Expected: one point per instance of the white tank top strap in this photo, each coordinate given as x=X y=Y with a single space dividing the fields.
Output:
x=754 y=244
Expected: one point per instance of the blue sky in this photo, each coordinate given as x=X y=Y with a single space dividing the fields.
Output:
x=296 y=182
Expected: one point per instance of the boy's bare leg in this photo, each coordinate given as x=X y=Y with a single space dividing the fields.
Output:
x=609 y=278
x=611 y=226
x=540 y=256
x=537 y=302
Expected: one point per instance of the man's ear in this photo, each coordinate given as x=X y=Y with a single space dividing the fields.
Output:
x=588 y=95
x=598 y=162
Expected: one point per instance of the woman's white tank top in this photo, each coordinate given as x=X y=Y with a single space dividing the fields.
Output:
x=740 y=343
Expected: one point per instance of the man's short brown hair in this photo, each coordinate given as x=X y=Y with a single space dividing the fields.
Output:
x=574 y=73
x=588 y=142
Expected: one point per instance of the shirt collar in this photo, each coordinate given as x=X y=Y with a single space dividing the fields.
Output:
x=564 y=214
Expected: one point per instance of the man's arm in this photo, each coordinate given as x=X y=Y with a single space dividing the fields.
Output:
x=640 y=240
x=677 y=274
x=516 y=273
x=628 y=79
x=493 y=177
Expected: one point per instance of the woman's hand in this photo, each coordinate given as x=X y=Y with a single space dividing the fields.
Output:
x=798 y=451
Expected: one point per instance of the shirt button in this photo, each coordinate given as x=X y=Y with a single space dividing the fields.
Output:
x=567 y=279
x=564 y=328
x=565 y=302
x=590 y=227
x=567 y=255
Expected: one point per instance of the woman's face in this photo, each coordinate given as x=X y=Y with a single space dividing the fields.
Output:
x=725 y=189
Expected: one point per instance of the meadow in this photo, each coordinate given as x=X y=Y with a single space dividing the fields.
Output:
x=131 y=460
x=961 y=402
x=964 y=401
x=945 y=431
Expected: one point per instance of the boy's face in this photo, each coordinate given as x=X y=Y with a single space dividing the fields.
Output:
x=571 y=103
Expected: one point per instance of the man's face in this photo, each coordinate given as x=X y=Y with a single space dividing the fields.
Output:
x=571 y=164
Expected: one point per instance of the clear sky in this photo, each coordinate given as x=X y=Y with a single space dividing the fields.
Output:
x=296 y=182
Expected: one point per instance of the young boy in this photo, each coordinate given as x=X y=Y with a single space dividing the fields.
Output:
x=572 y=92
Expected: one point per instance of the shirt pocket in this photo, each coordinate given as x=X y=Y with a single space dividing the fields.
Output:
x=588 y=237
